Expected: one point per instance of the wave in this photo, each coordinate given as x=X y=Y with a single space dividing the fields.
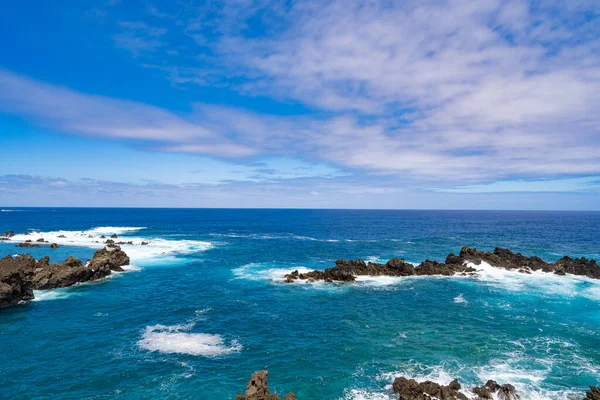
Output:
x=10 y=210
x=156 y=249
x=177 y=339
x=460 y=299
x=54 y=294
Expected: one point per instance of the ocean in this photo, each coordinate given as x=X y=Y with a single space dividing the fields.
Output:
x=204 y=305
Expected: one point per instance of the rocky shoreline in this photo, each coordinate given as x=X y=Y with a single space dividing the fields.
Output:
x=21 y=275
x=257 y=388
x=348 y=270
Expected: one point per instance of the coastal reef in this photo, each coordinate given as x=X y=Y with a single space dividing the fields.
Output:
x=258 y=389
x=409 y=389
x=22 y=274
x=348 y=270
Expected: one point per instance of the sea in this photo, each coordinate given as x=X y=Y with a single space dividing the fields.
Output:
x=204 y=305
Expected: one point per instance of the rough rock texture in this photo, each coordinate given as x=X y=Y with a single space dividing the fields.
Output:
x=9 y=234
x=68 y=273
x=114 y=236
x=27 y=243
x=492 y=390
x=409 y=389
x=20 y=275
x=258 y=389
x=16 y=279
x=348 y=270
x=593 y=394
x=54 y=246
x=111 y=257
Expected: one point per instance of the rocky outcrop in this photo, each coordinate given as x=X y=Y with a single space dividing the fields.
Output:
x=593 y=394
x=258 y=389
x=492 y=390
x=16 y=276
x=409 y=389
x=54 y=246
x=348 y=270
x=20 y=275
x=9 y=234
x=111 y=257
x=27 y=243
x=68 y=273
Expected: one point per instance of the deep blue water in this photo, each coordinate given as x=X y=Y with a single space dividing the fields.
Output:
x=196 y=321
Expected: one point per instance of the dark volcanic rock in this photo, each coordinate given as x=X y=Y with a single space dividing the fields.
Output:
x=111 y=257
x=348 y=270
x=593 y=394
x=114 y=236
x=16 y=279
x=492 y=390
x=27 y=243
x=9 y=234
x=409 y=389
x=68 y=273
x=258 y=389
x=41 y=240
x=54 y=246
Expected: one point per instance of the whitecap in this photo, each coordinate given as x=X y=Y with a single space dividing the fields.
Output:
x=177 y=339
x=53 y=294
x=460 y=299
x=156 y=250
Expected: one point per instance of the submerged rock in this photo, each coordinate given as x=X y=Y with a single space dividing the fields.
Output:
x=258 y=389
x=492 y=390
x=348 y=270
x=16 y=276
x=54 y=246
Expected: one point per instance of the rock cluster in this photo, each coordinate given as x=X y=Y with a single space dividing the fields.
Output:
x=593 y=394
x=409 y=389
x=348 y=270
x=20 y=275
x=258 y=389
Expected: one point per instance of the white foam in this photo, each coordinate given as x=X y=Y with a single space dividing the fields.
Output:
x=460 y=299
x=10 y=210
x=538 y=282
x=177 y=339
x=265 y=271
x=361 y=394
x=156 y=250
x=53 y=294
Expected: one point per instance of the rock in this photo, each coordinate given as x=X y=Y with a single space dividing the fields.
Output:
x=26 y=233
x=102 y=237
x=16 y=275
x=348 y=270
x=258 y=389
x=409 y=389
x=62 y=236
x=41 y=240
x=54 y=246
x=9 y=234
x=114 y=236
x=145 y=243
x=492 y=390
x=111 y=257
x=593 y=394
x=68 y=273
x=27 y=243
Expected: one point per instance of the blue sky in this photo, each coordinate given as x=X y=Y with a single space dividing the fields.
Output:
x=331 y=104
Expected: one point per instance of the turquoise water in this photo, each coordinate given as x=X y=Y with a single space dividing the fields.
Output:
x=196 y=321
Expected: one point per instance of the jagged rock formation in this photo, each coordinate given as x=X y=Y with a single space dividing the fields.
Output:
x=348 y=270
x=258 y=389
x=111 y=257
x=16 y=276
x=20 y=275
x=9 y=234
x=409 y=389
x=593 y=394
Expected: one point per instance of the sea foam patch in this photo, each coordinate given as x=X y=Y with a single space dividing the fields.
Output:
x=177 y=339
x=142 y=250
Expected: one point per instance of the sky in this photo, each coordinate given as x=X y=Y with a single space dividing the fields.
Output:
x=434 y=104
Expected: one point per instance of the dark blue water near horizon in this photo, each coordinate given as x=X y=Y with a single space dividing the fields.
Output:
x=204 y=305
